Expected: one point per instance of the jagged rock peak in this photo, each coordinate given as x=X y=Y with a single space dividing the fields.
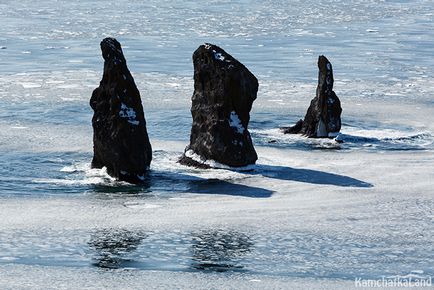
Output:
x=224 y=91
x=121 y=142
x=323 y=117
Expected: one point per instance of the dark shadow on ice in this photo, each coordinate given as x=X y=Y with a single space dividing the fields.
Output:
x=113 y=246
x=172 y=182
x=122 y=189
x=307 y=176
x=217 y=186
x=219 y=251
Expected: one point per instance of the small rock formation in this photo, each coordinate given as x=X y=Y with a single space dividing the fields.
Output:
x=224 y=91
x=120 y=139
x=323 y=118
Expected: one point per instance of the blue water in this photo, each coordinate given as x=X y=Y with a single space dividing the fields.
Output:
x=50 y=62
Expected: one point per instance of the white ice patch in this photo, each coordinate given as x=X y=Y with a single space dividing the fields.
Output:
x=141 y=205
x=68 y=86
x=30 y=85
x=8 y=259
x=214 y=164
x=277 y=136
x=86 y=176
x=81 y=167
x=128 y=113
x=235 y=123
x=196 y=157
x=388 y=135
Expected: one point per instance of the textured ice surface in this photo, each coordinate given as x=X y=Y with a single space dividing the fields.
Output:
x=284 y=218
x=353 y=138
x=300 y=218
x=63 y=277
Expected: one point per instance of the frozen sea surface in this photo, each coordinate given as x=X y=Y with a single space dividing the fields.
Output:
x=313 y=214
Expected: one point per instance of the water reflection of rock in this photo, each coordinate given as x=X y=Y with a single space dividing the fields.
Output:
x=219 y=250
x=112 y=247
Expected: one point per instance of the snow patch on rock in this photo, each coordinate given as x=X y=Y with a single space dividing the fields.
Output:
x=128 y=113
x=235 y=122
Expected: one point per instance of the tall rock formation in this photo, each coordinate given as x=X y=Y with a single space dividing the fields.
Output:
x=224 y=91
x=323 y=117
x=120 y=139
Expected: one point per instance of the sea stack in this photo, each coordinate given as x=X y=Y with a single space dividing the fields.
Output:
x=323 y=117
x=120 y=139
x=224 y=91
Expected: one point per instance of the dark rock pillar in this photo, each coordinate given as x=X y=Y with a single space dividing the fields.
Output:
x=120 y=139
x=323 y=117
x=224 y=91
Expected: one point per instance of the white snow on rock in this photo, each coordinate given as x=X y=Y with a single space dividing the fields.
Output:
x=128 y=113
x=218 y=56
x=330 y=101
x=235 y=123
x=215 y=164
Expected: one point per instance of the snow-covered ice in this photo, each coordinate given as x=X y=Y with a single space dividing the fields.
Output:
x=311 y=214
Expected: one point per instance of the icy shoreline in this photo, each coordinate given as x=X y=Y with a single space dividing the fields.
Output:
x=309 y=215
x=306 y=232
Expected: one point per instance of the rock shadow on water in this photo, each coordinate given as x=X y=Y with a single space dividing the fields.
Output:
x=217 y=186
x=208 y=250
x=112 y=247
x=122 y=189
x=219 y=251
x=171 y=182
x=308 y=176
